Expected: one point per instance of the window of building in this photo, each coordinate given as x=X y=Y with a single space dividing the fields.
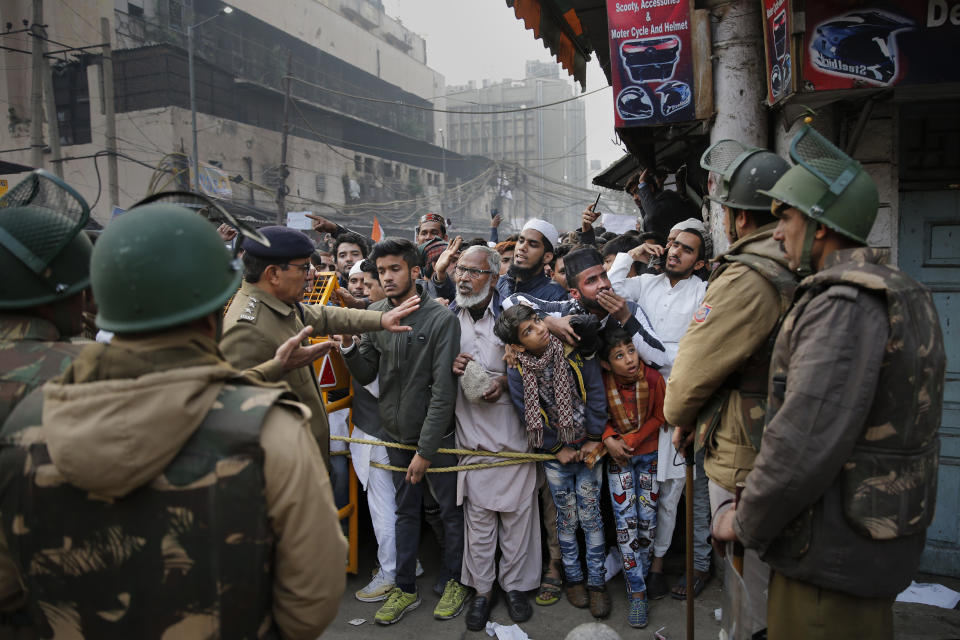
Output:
x=72 y=97
x=357 y=163
x=368 y=165
x=176 y=14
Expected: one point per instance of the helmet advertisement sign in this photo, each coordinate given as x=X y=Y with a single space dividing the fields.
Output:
x=777 y=27
x=856 y=45
x=651 y=61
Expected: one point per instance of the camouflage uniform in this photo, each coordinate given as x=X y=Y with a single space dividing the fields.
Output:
x=31 y=352
x=843 y=489
x=176 y=486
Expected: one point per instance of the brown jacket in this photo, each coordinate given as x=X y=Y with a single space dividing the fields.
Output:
x=118 y=434
x=256 y=323
x=844 y=486
x=734 y=321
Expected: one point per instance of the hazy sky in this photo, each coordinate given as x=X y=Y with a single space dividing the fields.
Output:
x=482 y=39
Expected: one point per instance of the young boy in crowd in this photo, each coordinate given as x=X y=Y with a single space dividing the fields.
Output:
x=560 y=398
x=634 y=395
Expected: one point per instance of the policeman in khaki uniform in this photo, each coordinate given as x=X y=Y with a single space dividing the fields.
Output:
x=843 y=490
x=153 y=490
x=267 y=311
x=719 y=377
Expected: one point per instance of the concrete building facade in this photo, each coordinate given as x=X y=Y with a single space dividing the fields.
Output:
x=539 y=151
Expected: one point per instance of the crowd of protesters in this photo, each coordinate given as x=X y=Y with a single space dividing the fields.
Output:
x=193 y=448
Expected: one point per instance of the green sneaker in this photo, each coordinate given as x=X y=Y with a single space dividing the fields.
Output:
x=454 y=597
x=397 y=604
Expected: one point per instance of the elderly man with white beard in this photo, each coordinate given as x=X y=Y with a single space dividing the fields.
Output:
x=499 y=504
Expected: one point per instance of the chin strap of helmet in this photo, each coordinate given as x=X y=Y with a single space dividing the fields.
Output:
x=806 y=260
x=731 y=224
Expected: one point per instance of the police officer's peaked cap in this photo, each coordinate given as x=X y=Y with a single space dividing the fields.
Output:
x=285 y=244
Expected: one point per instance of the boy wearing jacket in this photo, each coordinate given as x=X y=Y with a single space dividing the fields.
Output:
x=560 y=398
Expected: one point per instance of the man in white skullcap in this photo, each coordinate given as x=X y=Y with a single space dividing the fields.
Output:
x=534 y=250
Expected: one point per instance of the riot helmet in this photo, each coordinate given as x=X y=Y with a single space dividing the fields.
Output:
x=44 y=254
x=741 y=173
x=828 y=187
x=159 y=266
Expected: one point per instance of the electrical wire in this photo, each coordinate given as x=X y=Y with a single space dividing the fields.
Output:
x=434 y=110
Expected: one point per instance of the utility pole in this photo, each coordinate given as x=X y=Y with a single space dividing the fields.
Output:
x=36 y=87
x=50 y=106
x=739 y=95
x=282 y=187
x=106 y=74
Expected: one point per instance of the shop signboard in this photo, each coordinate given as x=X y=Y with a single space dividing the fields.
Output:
x=777 y=27
x=854 y=44
x=651 y=61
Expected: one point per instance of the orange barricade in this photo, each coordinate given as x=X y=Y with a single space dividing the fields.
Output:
x=333 y=375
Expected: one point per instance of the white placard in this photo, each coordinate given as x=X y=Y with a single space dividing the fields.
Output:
x=299 y=220
x=617 y=223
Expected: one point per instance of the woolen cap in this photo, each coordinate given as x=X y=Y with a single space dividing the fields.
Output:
x=580 y=259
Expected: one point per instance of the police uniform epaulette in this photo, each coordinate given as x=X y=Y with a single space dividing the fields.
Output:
x=249 y=312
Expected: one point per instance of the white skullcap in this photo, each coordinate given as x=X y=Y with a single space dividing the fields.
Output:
x=690 y=223
x=355 y=270
x=545 y=228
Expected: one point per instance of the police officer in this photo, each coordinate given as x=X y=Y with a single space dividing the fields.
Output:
x=45 y=262
x=154 y=490
x=844 y=487
x=267 y=311
x=720 y=374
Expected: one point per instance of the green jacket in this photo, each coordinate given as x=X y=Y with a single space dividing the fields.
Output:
x=418 y=390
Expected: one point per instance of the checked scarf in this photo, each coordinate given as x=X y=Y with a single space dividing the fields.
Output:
x=618 y=413
x=532 y=369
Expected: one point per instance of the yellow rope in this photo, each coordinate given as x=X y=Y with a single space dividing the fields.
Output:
x=515 y=457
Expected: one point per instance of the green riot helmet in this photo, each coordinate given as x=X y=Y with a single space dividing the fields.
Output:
x=159 y=266
x=828 y=186
x=44 y=254
x=741 y=172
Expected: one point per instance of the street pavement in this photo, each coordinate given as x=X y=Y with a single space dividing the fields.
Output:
x=912 y=621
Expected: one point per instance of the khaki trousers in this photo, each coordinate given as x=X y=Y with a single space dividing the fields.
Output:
x=803 y=611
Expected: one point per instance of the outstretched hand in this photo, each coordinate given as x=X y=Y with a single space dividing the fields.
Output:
x=390 y=320
x=321 y=224
x=293 y=355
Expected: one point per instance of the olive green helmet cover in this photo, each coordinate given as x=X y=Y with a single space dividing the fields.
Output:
x=160 y=266
x=742 y=172
x=828 y=186
x=44 y=254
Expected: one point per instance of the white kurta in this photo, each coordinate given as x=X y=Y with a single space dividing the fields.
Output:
x=670 y=310
x=490 y=426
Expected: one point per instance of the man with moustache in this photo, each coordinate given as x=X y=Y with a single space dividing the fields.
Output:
x=499 y=505
x=416 y=403
x=266 y=311
x=533 y=251
x=844 y=487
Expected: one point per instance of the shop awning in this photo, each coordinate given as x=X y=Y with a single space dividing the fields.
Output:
x=557 y=24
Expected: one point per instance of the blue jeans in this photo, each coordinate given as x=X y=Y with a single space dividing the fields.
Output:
x=633 y=490
x=576 y=492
